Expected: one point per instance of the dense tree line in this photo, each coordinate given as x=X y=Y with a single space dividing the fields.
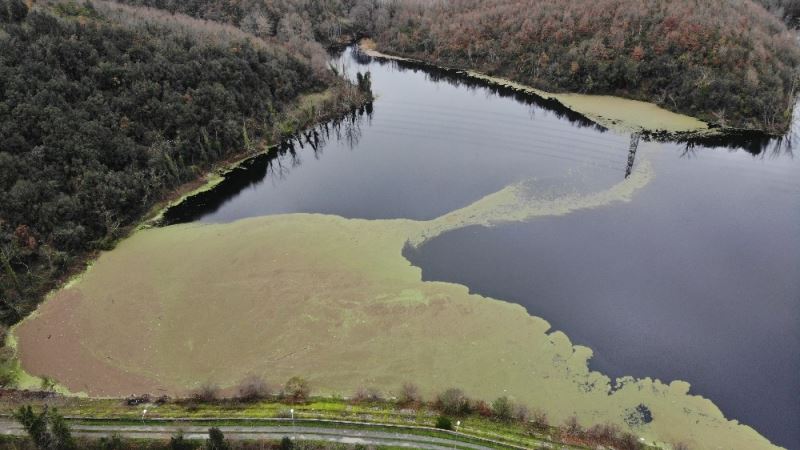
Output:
x=729 y=62
x=103 y=111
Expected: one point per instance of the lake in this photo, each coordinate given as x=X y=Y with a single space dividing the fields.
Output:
x=697 y=278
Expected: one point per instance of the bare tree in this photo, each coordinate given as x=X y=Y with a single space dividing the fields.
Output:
x=297 y=390
x=207 y=392
x=409 y=395
x=254 y=388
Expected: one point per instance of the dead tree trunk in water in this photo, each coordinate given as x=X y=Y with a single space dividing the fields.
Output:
x=632 y=153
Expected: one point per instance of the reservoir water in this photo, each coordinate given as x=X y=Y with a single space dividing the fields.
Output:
x=697 y=278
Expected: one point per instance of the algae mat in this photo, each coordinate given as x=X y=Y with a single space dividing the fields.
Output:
x=333 y=300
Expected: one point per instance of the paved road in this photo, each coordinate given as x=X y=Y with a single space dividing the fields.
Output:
x=341 y=435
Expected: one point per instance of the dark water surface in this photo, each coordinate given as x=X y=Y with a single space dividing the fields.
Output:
x=697 y=278
x=429 y=146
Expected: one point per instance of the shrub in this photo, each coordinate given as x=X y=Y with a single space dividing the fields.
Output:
x=48 y=384
x=502 y=408
x=409 y=395
x=453 y=402
x=605 y=433
x=522 y=413
x=571 y=427
x=297 y=390
x=8 y=377
x=444 y=423
x=628 y=442
x=207 y=393
x=253 y=388
x=216 y=440
x=482 y=408
x=540 y=418
x=286 y=443
x=178 y=442
x=366 y=395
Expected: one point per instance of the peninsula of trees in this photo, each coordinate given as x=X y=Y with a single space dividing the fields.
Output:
x=731 y=63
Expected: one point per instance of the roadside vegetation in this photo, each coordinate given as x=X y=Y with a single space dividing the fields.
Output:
x=216 y=441
x=257 y=403
x=105 y=110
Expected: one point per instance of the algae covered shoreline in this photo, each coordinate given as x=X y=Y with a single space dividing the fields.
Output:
x=330 y=298
x=612 y=112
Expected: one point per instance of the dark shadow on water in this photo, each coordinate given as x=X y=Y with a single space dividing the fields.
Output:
x=754 y=142
x=277 y=162
x=459 y=78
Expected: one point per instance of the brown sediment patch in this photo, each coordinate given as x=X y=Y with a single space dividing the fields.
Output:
x=57 y=333
x=333 y=300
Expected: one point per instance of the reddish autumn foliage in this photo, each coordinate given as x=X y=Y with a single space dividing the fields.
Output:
x=728 y=62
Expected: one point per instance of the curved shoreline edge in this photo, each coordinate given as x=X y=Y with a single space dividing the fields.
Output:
x=628 y=116
x=345 y=289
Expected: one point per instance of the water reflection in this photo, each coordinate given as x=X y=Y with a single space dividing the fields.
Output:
x=460 y=79
x=440 y=142
x=632 y=153
x=274 y=165
x=755 y=143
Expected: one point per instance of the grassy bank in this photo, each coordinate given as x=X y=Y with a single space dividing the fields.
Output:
x=377 y=415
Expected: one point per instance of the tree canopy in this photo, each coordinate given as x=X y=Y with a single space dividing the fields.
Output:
x=105 y=109
x=728 y=62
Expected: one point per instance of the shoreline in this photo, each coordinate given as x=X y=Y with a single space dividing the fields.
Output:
x=205 y=181
x=581 y=104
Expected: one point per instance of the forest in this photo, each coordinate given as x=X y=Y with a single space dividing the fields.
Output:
x=105 y=109
x=731 y=63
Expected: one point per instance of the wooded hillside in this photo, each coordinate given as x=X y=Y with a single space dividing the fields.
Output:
x=105 y=109
x=728 y=62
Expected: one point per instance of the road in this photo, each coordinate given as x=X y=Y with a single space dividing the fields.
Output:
x=339 y=434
